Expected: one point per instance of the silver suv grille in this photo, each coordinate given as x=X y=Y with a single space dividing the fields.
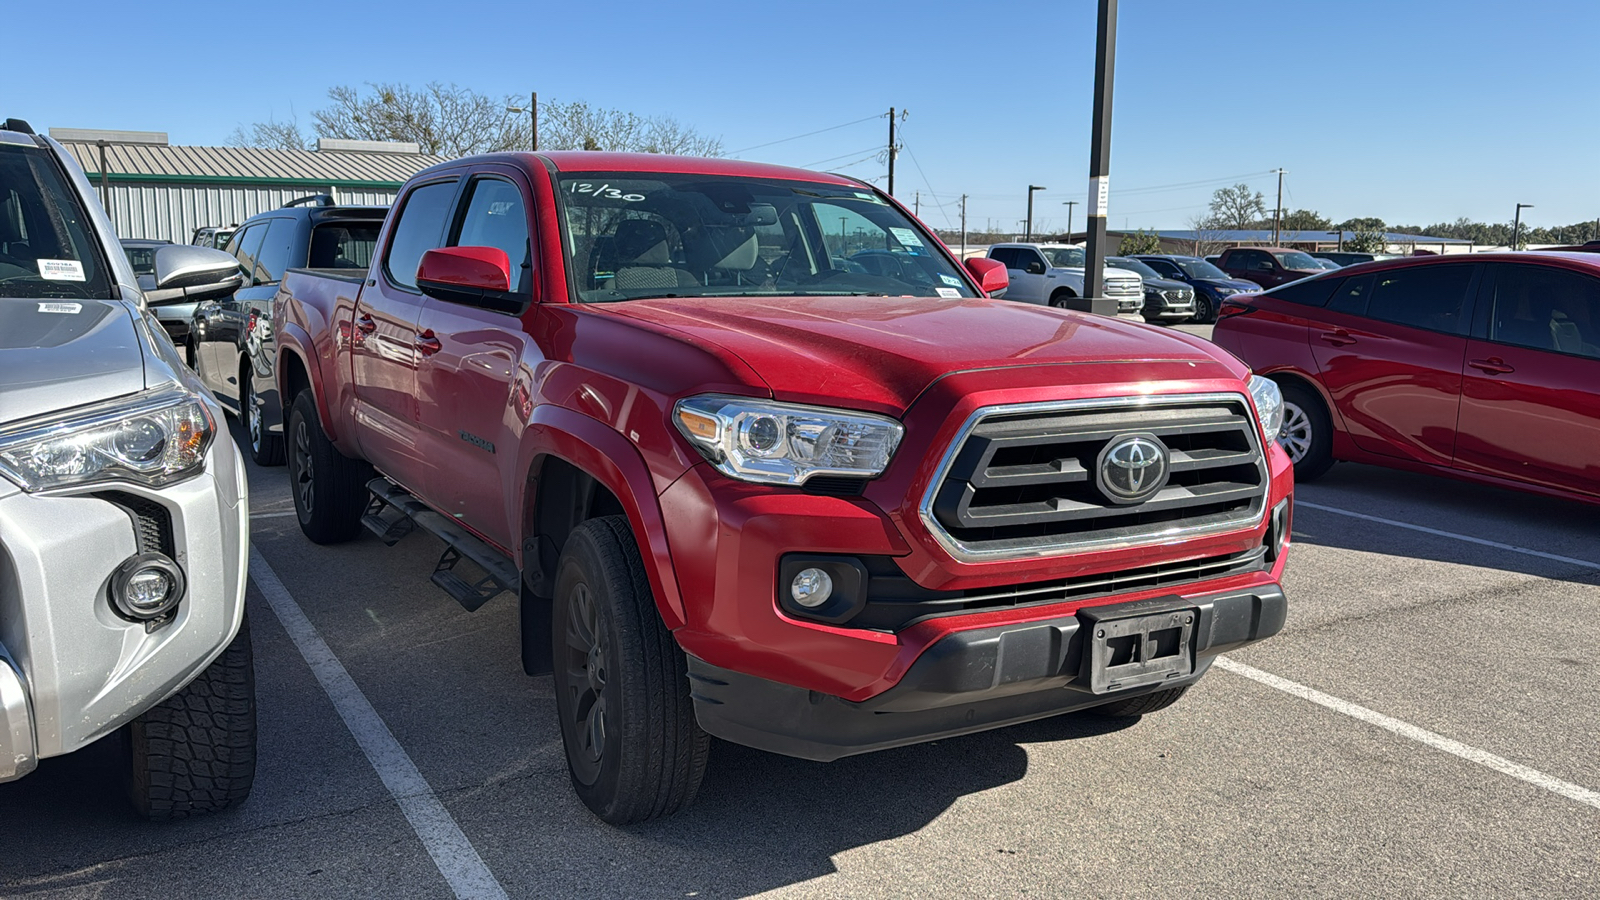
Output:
x=1022 y=480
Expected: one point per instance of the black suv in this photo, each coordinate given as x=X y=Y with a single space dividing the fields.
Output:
x=225 y=341
x=1165 y=299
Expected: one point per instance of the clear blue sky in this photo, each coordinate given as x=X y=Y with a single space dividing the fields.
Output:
x=1414 y=112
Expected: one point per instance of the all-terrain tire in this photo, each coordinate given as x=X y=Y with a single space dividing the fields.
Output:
x=634 y=749
x=329 y=488
x=1142 y=705
x=195 y=752
x=266 y=448
x=1307 y=433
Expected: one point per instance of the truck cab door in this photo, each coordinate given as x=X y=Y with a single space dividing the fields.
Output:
x=1027 y=269
x=384 y=337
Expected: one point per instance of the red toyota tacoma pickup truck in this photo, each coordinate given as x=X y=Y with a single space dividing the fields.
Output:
x=763 y=462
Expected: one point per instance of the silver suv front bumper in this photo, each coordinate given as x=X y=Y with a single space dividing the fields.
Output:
x=71 y=669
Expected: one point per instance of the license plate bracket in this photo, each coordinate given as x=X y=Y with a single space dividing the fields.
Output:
x=1140 y=650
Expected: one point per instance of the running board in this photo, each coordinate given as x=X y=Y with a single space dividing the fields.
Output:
x=392 y=513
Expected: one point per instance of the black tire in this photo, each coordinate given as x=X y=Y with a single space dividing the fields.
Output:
x=1142 y=705
x=1203 y=313
x=1307 y=433
x=329 y=488
x=634 y=749
x=1062 y=299
x=266 y=448
x=195 y=752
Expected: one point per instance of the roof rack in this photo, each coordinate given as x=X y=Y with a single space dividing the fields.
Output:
x=18 y=125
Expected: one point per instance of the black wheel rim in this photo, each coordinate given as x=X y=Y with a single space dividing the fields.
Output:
x=303 y=468
x=586 y=670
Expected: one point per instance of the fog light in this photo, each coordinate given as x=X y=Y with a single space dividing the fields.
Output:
x=811 y=588
x=146 y=587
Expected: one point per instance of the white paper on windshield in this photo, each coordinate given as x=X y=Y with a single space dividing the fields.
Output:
x=61 y=269
x=950 y=280
x=70 y=309
x=906 y=237
x=949 y=293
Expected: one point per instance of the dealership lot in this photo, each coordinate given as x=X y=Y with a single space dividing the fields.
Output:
x=1244 y=788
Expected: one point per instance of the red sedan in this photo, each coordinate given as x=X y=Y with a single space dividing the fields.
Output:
x=1484 y=367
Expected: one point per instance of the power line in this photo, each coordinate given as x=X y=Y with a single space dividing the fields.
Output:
x=807 y=134
x=830 y=159
x=1189 y=184
x=925 y=183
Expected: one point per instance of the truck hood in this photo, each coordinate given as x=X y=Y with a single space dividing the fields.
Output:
x=57 y=354
x=880 y=353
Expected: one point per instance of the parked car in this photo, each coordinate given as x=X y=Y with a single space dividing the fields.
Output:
x=1268 y=266
x=1211 y=285
x=225 y=342
x=124 y=523
x=1351 y=258
x=141 y=255
x=1165 y=300
x=1053 y=274
x=742 y=491
x=1484 y=367
x=213 y=236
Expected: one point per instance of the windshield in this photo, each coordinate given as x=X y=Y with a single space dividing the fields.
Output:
x=143 y=259
x=45 y=244
x=1199 y=268
x=1297 y=260
x=1134 y=265
x=1066 y=257
x=631 y=236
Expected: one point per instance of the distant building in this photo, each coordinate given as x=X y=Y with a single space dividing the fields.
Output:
x=152 y=189
x=1213 y=241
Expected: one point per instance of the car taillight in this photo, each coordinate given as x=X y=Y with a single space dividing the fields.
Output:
x=1230 y=308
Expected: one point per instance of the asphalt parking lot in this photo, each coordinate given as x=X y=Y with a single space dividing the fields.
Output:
x=1425 y=725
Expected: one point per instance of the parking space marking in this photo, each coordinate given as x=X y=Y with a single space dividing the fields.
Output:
x=458 y=861
x=1420 y=735
x=1482 y=542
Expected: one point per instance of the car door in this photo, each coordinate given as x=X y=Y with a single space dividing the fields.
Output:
x=383 y=338
x=1027 y=276
x=1530 y=393
x=469 y=356
x=1388 y=348
x=236 y=345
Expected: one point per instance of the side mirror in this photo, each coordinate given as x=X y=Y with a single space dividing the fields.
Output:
x=472 y=276
x=990 y=275
x=1035 y=268
x=186 y=273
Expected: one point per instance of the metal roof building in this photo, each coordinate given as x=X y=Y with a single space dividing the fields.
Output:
x=154 y=190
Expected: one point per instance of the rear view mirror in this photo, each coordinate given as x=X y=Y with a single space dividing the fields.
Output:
x=185 y=273
x=473 y=276
x=990 y=275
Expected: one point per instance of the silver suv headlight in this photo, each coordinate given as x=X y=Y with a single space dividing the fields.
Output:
x=153 y=438
x=785 y=443
x=1269 y=405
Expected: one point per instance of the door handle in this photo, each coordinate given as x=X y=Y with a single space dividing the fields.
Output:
x=365 y=324
x=427 y=343
x=1338 y=338
x=1494 y=365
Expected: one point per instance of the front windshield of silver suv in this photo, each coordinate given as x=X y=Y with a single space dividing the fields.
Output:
x=45 y=248
x=631 y=236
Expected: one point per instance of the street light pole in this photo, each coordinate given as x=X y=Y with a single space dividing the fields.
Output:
x=1105 y=57
x=1277 y=211
x=963 y=227
x=1069 y=204
x=1516 y=227
x=532 y=109
x=1029 y=229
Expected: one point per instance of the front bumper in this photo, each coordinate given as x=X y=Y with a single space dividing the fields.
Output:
x=969 y=681
x=72 y=670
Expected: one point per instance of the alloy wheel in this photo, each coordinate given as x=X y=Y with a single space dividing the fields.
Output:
x=586 y=682
x=1295 y=435
x=303 y=468
x=252 y=415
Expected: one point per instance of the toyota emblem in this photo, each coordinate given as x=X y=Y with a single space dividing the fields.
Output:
x=1133 y=467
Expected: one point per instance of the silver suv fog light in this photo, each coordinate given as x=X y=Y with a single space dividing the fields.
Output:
x=147 y=587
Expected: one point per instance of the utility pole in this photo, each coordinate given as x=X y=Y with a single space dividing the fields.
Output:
x=1028 y=229
x=916 y=204
x=963 y=227
x=1069 y=204
x=1516 y=229
x=532 y=110
x=891 y=151
x=1105 y=57
x=1277 y=211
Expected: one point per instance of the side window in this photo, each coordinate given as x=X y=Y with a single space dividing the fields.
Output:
x=343 y=244
x=495 y=217
x=1428 y=297
x=1240 y=259
x=1351 y=295
x=1029 y=257
x=1164 y=268
x=419 y=229
x=1545 y=308
x=277 y=251
x=246 y=245
x=1006 y=256
x=1306 y=293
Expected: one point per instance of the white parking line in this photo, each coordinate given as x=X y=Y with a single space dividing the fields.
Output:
x=455 y=856
x=1571 y=561
x=1420 y=735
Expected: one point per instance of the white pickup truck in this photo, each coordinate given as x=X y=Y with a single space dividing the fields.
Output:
x=1053 y=274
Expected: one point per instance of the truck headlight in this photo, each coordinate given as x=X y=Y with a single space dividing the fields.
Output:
x=785 y=443
x=153 y=438
x=1269 y=405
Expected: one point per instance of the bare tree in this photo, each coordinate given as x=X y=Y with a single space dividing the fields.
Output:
x=1207 y=235
x=1236 y=208
x=579 y=126
x=444 y=120
x=272 y=135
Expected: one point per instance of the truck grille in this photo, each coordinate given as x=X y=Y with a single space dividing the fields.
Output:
x=1029 y=480
x=1124 y=289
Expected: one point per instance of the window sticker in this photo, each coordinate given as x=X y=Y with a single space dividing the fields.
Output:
x=61 y=270
x=949 y=293
x=70 y=309
x=950 y=280
x=906 y=237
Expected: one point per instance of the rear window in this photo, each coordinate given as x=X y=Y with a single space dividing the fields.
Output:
x=46 y=243
x=343 y=245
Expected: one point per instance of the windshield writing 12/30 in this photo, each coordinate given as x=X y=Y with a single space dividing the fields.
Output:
x=631 y=237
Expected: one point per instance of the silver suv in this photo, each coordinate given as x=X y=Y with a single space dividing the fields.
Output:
x=124 y=521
